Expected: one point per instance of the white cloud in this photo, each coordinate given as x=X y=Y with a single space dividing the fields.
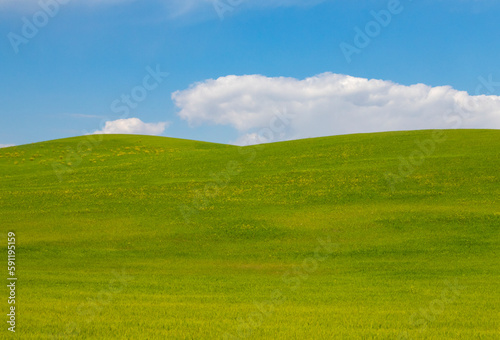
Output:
x=133 y=126
x=6 y=145
x=264 y=109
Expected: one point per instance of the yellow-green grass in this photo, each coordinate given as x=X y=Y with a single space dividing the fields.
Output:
x=346 y=237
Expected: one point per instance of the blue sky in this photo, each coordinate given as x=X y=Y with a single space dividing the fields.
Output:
x=230 y=76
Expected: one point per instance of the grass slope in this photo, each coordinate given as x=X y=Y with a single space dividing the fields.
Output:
x=137 y=237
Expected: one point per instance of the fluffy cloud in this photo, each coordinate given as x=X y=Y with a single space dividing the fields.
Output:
x=267 y=109
x=133 y=126
x=5 y=145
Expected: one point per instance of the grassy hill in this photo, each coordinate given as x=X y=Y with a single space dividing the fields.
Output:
x=370 y=236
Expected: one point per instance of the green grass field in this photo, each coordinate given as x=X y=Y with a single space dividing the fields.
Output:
x=370 y=236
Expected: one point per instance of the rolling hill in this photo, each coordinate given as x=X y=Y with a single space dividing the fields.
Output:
x=370 y=236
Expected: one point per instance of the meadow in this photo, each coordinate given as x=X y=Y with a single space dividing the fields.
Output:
x=369 y=236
